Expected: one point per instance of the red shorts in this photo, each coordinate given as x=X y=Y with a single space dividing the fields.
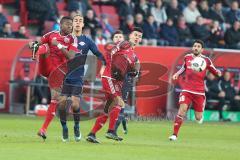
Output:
x=112 y=88
x=197 y=100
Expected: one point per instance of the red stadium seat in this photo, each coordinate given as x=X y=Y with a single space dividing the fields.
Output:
x=108 y=10
x=64 y=13
x=14 y=25
x=24 y=14
x=96 y=9
x=61 y=6
x=111 y=12
x=114 y=21
x=48 y=26
x=7 y=1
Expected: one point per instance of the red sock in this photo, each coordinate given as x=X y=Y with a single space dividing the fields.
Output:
x=100 y=121
x=114 y=117
x=177 y=124
x=50 y=114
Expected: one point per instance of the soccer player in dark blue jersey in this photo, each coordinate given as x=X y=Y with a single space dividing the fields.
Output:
x=73 y=82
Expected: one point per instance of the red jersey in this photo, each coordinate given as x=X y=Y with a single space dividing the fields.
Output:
x=107 y=71
x=194 y=81
x=124 y=59
x=56 y=55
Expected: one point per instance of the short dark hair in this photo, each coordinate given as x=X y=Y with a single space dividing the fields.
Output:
x=200 y=42
x=138 y=29
x=65 y=18
x=116 y=32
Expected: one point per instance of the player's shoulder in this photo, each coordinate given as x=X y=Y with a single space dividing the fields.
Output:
x=206 y=58
x=51 y=33
x=189 y=55
x=84 y=39
x=71 y=38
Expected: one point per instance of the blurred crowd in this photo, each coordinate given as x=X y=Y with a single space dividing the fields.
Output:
x=164 y=22
x=223 y=93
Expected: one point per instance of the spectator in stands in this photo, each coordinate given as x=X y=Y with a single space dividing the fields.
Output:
x=108 y=29
x=232 y=36
x=7 y=31
x=42 y=10
x=99 y=38
x=199 y=30
x=150 y=31
x=91 y=21
x=227 y=3
x=125 y=8
x=231 y=95
x=169 y=33
x=213 y=92
x=184 y=33
x=216 y=12
x=21 y=33
x=173 y=11
x=191 y=12
x=78 y=5
x=184 y=2
x=3 y=18
x=204 y=9
x=159 y=12
x=234 y=13
x=216 y=39
x=128 y=26
x=143 y=7
x=138 y=20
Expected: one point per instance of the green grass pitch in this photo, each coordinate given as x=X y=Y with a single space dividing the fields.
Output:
x=145 y=141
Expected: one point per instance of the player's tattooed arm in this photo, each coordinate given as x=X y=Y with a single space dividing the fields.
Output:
x=68 y=53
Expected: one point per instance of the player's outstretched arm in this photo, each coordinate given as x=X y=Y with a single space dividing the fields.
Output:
x=96 y=52
x=213 y=69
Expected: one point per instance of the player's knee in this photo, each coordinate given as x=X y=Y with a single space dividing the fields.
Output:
x=62 y=100
x=75 y=106
x=119 y=101
x=183 y=109
x=198 y=117
x=54 y=95
x=75 y=103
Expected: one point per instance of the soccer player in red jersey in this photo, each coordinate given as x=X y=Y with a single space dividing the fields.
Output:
x=193 y=90
x=123 y=60
x=53 y=50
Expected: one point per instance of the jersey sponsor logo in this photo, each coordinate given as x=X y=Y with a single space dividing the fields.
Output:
x=66 y=40
x=82 y=43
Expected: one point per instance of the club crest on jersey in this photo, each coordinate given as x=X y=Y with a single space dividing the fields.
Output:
x=66 y=40
x=82 y=43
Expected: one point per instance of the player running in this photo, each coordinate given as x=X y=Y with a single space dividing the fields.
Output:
x=122 y=61
x=193 y=87
x=51 y=55
x=73 y=82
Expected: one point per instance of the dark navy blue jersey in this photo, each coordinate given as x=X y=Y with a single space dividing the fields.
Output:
x=76 y=65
